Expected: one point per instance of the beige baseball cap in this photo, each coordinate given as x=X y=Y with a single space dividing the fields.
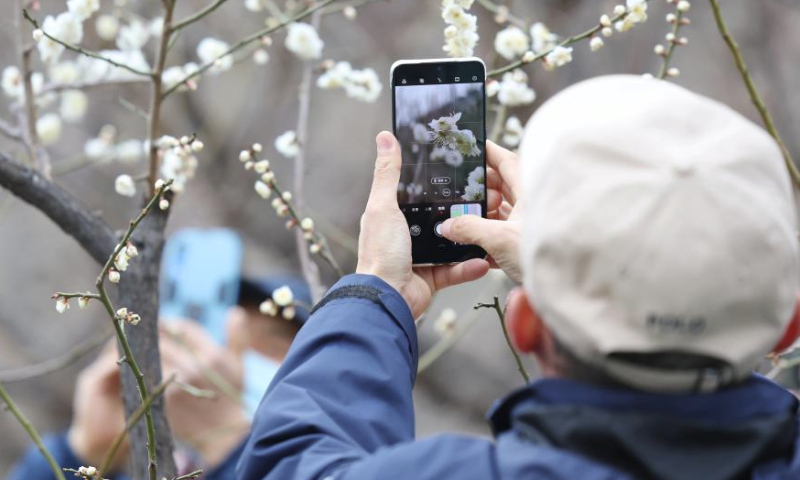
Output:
x=658 y=224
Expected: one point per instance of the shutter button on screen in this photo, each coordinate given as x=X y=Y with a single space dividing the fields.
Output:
x=437 y=229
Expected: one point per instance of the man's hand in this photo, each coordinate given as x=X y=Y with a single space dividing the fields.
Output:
x=384 y=245
x=500 y=234
x=98 y=416
x=213 y=426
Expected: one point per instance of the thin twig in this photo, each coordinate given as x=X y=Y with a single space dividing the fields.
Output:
x=753 y=91
x=10 y=131
x=55 y=364
x=120 y=330
x=88 y=85
x=88 y=53
x=156 y=97
x=499 y=123
x=247 y=40
x=197 y=15
x=568 y=41
x=189 y=476
x=673 y=45
x=308 y=267
x=502 y=9
x=501 y=315
x=111 y=453
x=28 y=427
x=468 y=321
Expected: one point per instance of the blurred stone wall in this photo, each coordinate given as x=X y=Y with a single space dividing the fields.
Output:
x=255 y=103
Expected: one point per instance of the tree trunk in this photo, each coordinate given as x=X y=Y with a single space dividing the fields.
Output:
x=138 y=291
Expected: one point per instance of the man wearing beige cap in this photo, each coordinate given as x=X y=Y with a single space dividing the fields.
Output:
x=654 y=233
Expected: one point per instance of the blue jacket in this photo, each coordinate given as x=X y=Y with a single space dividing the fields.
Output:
x=340 y=408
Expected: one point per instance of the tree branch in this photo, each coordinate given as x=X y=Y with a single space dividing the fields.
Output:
x=83 y=51
x=753 y=91
x=197 y=16
x=90 y=231
x=37 y=440
x=55 y=364
x=247 y=40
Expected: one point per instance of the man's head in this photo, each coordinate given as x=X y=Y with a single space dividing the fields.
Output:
x=659 y=244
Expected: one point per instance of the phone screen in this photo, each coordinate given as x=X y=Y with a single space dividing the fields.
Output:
x=440 y=121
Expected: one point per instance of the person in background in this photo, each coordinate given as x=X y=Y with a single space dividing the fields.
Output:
x=212 y=429
x=654 y=233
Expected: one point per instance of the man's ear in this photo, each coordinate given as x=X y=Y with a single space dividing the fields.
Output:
x=523 y=323
x=792 y=332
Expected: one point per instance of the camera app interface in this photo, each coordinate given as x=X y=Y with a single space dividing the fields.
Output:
x=441 y=130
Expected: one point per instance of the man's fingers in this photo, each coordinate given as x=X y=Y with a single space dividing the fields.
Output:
x=448 y=275
x=493 y=200
x=506 y=164
x=387 y=171
x=474 y=230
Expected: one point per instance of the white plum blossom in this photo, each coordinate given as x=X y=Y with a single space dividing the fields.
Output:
x=288 y=313
x=283 y=296
x=492 y=87
x=66 y=27
x=48 y=128
x=212 y=50
x=62 y=304
x=113 y=276
x=543 y=39
x=477 y=176
x=268 y=308
x=133 y=36
x=302 y=40
x=173 y=75
x=94 y=70
x=83 y=9
x=73 y=105
x=129 y=151
x=124 y=186
x=286 y=144
x=446 y=134
x=179 y=164
x=260 y=57
x=363 y=85
x=514 y=90
x=445 y=324
x=511 y=42
x=262 y=189
x=637 y=13
x=83 y=302
x=156 y=27
x=107 y=27
x=449 y=156
x=558 y=57
x=253 y=5
x=513 y=132
x=163 y=204
x=64 y=72
x=596 y=43
x=461 y=34
x=476 y=182
x=12 y=81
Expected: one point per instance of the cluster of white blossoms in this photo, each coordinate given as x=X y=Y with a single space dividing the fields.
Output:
x=62 y=302
x=448 y=156
x=303 y=40
x=558 y=57
x=476 y=182
x=104 y=148
x=676 y=20
x=445 y=324
x=511 y=42
x=461 y=34
x=282 y=302
x=287 y=145
x=87 y=472
x=444 y=132
x=264 y=187
x=121 y=261
x=543 y=40
x=128 y=317
x=635 y=12
x=512 y=134
x=178 y=160
x=213 y=51
x=513 y=90
x=363 y=85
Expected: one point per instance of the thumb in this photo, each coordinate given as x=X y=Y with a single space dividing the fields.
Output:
x=475 y=230
x=387 y=171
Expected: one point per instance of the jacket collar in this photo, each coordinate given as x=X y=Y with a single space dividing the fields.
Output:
x=721 y=435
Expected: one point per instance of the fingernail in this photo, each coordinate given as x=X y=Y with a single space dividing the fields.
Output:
x=446 y=227
x=384 y=141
